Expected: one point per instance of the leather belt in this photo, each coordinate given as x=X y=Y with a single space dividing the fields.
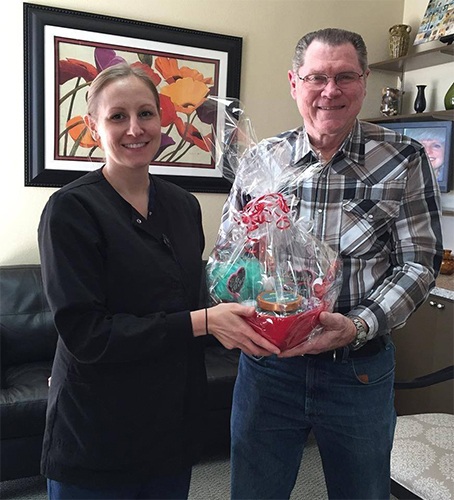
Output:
x=370 y=348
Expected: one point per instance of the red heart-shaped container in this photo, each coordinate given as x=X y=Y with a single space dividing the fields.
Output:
x=286 y=331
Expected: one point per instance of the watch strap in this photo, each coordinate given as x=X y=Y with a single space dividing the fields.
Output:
x=361 y=334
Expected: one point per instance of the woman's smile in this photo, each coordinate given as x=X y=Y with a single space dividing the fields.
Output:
x=135 y=145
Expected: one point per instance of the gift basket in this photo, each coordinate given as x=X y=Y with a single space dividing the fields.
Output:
x=265 y=254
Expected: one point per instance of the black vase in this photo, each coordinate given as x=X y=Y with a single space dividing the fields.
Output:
x=420 y=101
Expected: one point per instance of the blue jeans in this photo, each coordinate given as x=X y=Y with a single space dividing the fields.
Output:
x=347 y=403
x=158 y=488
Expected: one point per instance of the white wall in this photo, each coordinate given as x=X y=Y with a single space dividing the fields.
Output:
x=270 y=30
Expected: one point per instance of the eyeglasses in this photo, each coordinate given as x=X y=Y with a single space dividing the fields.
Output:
x=320 y=81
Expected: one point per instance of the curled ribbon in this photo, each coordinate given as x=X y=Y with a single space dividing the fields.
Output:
x=265 y=209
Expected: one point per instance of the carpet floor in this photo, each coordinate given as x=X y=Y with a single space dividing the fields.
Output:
x=210 y=481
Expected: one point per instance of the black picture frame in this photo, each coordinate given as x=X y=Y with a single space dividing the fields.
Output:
x=433 y=130
x=37 y=18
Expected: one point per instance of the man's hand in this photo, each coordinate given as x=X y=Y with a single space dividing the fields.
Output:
x=338 y=331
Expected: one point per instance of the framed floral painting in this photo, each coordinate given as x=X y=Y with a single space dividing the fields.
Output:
x=66 y=49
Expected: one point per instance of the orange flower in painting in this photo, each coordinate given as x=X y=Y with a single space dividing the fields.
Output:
x=186 y=94
x=168 y=68
x=192 y=135
x=193 y=73
x=171 y=72
x=80 y=133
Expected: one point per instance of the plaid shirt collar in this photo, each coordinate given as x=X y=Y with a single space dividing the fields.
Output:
x=353 y=147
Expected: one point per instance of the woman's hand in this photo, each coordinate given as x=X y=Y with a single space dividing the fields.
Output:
x=225 y=322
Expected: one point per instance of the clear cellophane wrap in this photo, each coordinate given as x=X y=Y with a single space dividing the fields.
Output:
x=265 y=255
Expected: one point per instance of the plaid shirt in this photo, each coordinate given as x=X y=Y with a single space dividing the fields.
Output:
x=377 y=203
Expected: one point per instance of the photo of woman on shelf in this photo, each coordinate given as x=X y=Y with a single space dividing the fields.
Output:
x=434 y=142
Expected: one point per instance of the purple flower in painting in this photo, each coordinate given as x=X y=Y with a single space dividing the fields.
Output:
x=104 y=58
x=207 y=112
x=166 y=141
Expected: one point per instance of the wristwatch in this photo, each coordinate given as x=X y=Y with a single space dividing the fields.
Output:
x=361 y=334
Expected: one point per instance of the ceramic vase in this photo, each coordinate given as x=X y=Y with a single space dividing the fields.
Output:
x=420 y=101
x=447 y=264
x=399 y=40
x=449 y=98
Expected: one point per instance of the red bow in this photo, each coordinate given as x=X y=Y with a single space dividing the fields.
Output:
x=265 y=209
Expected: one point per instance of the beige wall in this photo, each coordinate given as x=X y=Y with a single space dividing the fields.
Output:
x=438 y=80
x=269 y=28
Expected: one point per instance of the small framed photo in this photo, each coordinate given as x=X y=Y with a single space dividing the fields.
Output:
x=437 y=138
x=438 y=22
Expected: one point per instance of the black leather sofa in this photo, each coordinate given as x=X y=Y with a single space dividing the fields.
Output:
x=28 y=339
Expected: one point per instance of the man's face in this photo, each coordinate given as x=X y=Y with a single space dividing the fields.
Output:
x=331 y=110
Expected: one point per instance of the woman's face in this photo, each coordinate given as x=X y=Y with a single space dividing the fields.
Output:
x=435 y=151
x=128 y=123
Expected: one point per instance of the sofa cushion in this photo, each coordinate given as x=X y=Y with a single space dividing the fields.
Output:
x=27 y=331
x=23 y=399
x=28 y=341
x=222 y=368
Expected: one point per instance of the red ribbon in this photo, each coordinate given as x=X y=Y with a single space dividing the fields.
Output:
x=265 y=209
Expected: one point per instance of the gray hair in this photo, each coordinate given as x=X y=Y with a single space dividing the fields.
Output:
x=112 y=73
x=333 y=37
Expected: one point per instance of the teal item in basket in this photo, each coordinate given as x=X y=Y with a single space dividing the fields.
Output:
x=236 y=281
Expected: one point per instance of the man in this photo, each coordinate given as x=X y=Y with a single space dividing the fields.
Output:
x=376 y=202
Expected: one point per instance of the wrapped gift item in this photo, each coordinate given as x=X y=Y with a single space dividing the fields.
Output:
x=265 y=255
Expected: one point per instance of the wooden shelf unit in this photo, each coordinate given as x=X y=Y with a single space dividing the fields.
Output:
x=418 y=60
x=417 y=117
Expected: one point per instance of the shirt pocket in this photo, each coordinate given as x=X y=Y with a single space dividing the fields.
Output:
x=368 y=220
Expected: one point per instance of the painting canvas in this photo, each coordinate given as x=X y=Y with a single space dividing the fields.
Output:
x=183 y=82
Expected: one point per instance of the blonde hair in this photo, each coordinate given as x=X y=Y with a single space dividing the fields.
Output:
x=112 y=73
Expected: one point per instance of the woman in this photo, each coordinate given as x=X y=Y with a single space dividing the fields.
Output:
x=433 y=141
x=121 y=258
